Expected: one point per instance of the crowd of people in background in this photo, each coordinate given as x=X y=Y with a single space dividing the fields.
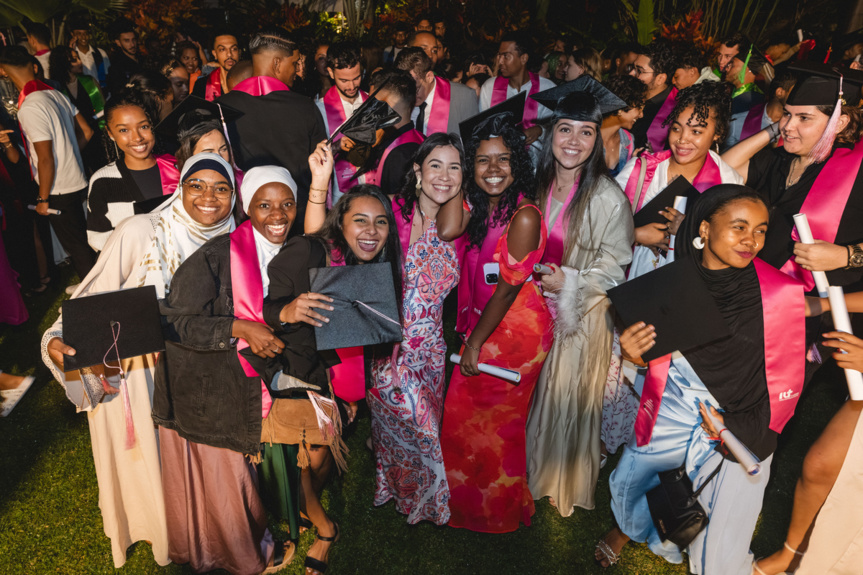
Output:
x=517 y=179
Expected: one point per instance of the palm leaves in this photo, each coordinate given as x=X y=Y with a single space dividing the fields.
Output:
x=13 y=12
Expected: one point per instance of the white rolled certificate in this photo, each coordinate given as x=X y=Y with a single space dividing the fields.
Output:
x=501 y=372
x=680 y=206
x=802 y=225
x=541 y=269
x=842 y=322
x=51 y=211
x=741 y=453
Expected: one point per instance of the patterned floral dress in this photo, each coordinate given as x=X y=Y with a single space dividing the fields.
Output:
x=406 y=414
x=483 y=435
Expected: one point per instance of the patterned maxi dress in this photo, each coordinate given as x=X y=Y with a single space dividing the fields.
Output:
x=406 y=415
x=483 y=435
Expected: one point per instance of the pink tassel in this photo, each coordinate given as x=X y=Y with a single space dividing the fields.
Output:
x=127 y=413
x=814 y=356
x=822 y=149
x=325 y=422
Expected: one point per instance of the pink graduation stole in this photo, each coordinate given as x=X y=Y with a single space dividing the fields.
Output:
x=825 y=203
x=375 y=175
x=556 y=243
x=438 y=116
x=247 y=288
x=784 y=310
x=260 y=86
x=752 y=123
x=213 y=87
x=168 y=173
x=336 y=116
x=531 y=106
x=657 y=135
x=473 y=292
x=708 y=176
x=348 y=377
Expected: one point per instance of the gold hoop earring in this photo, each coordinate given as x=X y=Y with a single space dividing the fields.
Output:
x=419 y=187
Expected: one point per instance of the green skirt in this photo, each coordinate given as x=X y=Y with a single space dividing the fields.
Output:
x=279 y=479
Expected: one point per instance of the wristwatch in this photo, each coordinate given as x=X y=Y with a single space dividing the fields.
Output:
x=855 y=257
x=42 y=200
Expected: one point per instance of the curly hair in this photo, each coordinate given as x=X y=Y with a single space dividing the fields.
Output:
x=853 y=132
x=662 y=59
x=523 y=185
x=407 y=195
x=708 y=99
x=629 y=89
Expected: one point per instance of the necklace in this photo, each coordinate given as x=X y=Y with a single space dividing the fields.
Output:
x=790 y=180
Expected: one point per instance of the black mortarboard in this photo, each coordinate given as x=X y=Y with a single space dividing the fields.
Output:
x=583 y=99
x=191 y=112
x=675 y=300
x=489 y=122
x=649 y=214
x=818 y=85
x=366 y=309
x=90 y=325
x=371 y=116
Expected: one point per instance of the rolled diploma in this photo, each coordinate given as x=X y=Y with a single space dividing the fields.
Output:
x=50 y=210
x=500 y=372
x=740 y=452
x=842 y=322
x=802 y=225
x=680 y=206
x=541 y=269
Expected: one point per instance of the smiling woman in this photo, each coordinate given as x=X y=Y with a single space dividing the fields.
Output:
x=137 y=180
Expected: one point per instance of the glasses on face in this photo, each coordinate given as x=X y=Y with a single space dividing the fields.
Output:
x=641 y=72
x=197 y=188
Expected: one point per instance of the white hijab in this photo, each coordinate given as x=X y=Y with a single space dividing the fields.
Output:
x=260 y=176
x=177 y=234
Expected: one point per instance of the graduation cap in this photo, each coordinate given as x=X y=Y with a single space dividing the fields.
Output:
x=123 y=323
x=676 y=301
x=191 y=112
x=365 y=305
x=371 y=116
x=818 y=85
x=490 y=122
x=583 y=99
x=649 y=214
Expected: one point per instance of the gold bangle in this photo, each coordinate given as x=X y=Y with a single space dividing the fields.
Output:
x=319 y=203
x=318 y=190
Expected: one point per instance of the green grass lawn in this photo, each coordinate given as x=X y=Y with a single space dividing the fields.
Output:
x=50 y=520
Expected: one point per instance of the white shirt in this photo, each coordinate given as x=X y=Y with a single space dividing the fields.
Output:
x=349 y=108
x=49 y=115
x=43 y=59
x=89 y=61
x=266 y=252
x=488 y=87
x=415 y=113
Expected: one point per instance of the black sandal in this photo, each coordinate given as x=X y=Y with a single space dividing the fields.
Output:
x=44 y=283
x=305 y=524
x=317 y=564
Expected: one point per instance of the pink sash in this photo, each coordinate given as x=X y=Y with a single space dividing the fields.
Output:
x=657 y=134
x=783 y=308
x=375 y=175
x=168 y=173
x=213 y=87
x=752 y=123
x=335 y=117
x=260 y=86
x=825 y=203
x=708 y=176
x=531 y=106
x=473 y=292
x=557 y=234
x=438 y=116
x=248 y=293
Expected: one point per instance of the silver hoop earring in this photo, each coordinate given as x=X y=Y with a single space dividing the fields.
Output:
x=698 y=243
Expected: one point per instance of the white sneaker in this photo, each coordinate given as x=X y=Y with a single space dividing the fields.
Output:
x=71 y=289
